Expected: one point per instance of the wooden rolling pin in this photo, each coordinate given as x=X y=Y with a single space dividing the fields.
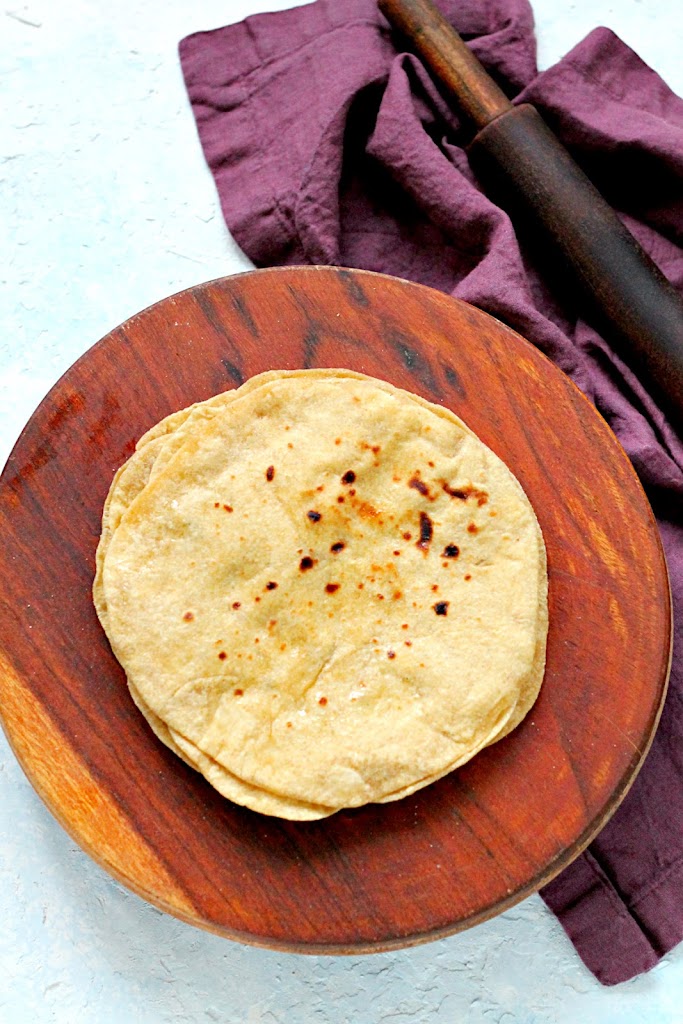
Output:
x=514 y=153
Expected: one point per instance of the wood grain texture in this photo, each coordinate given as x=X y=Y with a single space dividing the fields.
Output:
x=525 y=169
x=380 y=876
x=521 y=163
x=447 y=56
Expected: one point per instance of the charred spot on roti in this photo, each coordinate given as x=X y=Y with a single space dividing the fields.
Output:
x=464 y=493
x=419 y=485
x=426 y=532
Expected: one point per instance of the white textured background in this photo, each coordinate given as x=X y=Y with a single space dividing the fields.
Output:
x=106 y=205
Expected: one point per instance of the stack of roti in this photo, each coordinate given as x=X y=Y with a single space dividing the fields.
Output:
x=324 y=591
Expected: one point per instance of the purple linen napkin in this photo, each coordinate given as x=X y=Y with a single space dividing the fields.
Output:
x=330 y=146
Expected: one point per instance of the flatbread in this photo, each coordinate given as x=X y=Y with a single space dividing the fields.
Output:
x=129 y=480
x=396 y=738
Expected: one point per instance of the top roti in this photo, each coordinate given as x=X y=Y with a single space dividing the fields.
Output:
x=331 y=588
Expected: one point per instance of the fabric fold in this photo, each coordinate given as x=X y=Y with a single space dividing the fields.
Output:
x=330 y=144
x=598 y=921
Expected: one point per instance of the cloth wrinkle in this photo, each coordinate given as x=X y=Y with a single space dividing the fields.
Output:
x=621 y=905
x=331 y=144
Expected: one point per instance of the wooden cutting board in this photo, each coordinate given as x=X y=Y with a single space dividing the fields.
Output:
x=381 y=876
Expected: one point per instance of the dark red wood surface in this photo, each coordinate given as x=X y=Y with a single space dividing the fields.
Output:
x=381 y=876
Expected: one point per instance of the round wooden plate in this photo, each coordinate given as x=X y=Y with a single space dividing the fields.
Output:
x=379 y=877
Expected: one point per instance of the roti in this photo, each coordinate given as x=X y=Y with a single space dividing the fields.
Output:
x=323 y=590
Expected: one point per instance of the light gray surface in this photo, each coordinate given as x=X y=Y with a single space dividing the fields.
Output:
x=106 y=207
